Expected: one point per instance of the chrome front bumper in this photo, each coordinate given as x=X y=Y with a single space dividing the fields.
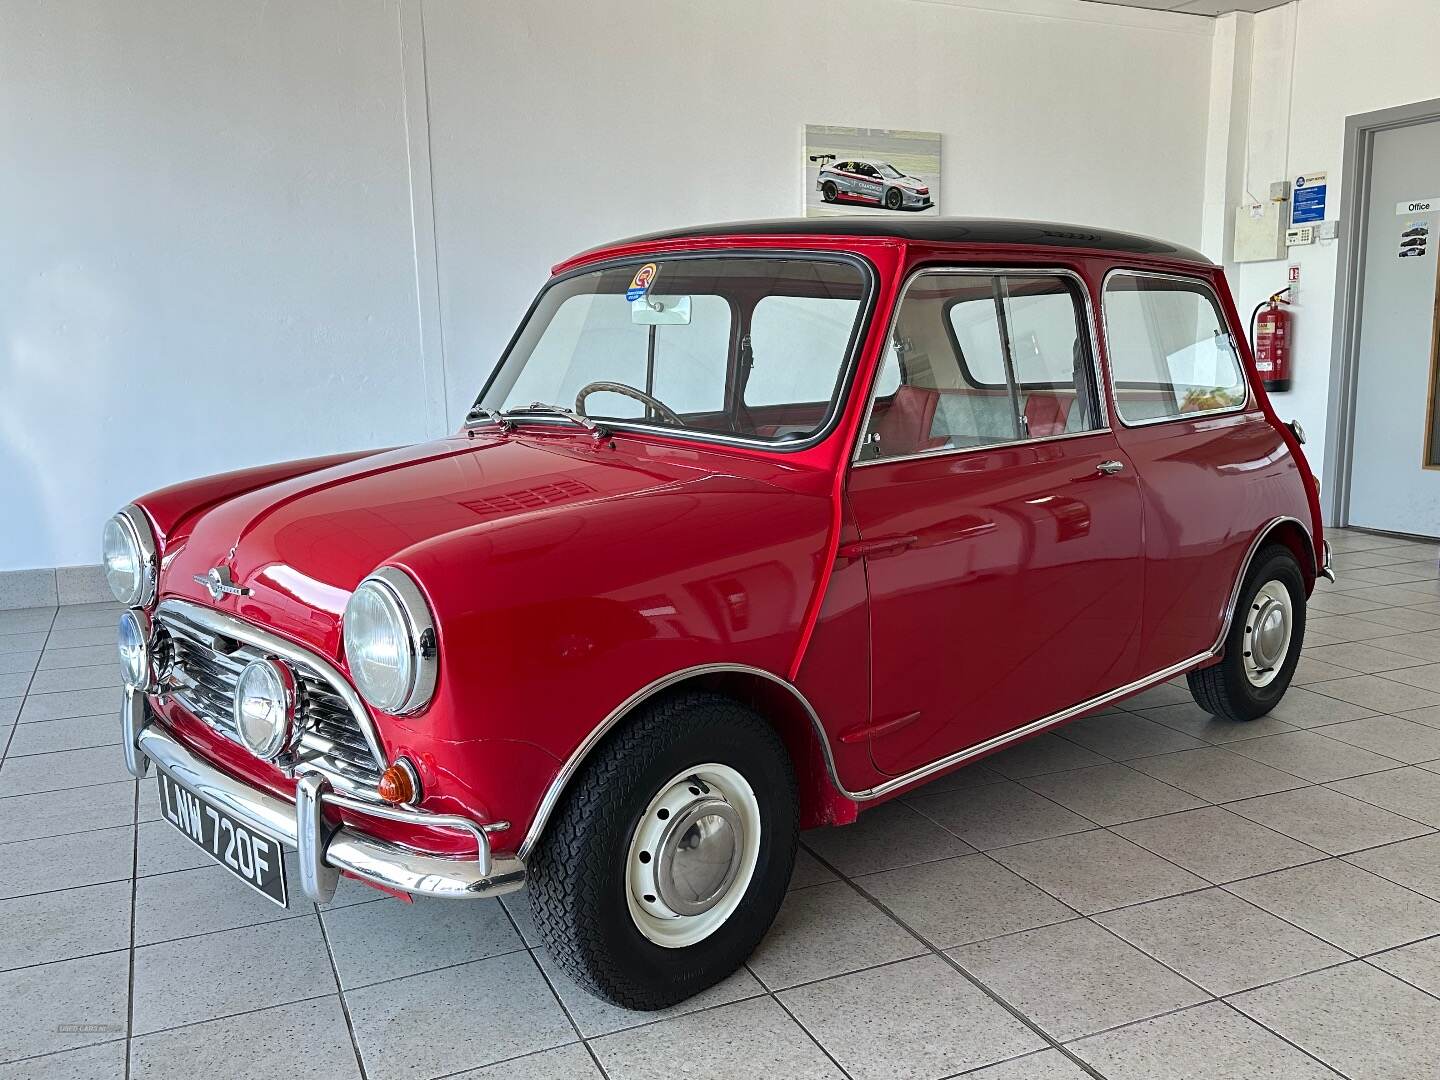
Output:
x=324 y=850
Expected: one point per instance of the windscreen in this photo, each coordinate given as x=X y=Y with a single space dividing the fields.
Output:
x=745 y=346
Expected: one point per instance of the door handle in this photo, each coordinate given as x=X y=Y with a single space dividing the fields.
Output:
x=881 y=545
x=1110 y=468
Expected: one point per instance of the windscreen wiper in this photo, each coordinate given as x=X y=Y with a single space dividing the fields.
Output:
x=556 y=410
x=480 y=412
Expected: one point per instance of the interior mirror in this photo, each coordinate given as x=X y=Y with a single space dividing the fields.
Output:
x=660 y=311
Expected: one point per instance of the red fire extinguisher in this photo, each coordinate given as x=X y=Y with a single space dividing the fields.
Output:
x=1270 y=339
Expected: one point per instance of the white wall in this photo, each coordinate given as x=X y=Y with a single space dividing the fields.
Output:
x=240 y=232
x=205 y=251
x=556 y=126
x=1347 y=58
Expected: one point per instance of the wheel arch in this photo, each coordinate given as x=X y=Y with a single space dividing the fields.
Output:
x=1292 y=533
x=823 y=799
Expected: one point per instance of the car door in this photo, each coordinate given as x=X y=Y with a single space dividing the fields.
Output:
x=1210 y=464
x=869 y=183
x=999 y=520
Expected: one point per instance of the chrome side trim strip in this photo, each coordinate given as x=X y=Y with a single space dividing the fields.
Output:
x=346 y=848
x=229 y=626
x=1029 y=729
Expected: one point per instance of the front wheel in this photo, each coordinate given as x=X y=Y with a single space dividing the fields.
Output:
x=669 y=854
x=894 y=199
x=1263 y=645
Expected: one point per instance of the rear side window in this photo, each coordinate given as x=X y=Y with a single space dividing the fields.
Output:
x=979 y=359
x=1171 y=354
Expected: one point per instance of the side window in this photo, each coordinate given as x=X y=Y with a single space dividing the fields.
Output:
x=1171 y=354
x=978 y=360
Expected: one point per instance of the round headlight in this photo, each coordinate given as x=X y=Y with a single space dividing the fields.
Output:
x=134 y=645
x=265 y=706
x=390 y=642
x=128 y=554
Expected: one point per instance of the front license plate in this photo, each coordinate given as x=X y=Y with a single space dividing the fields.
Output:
x=254 y=858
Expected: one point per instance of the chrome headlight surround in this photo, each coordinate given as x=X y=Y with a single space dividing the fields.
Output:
x=394 y=603
x=137 y=659
x=265 y=707
x=128 y=538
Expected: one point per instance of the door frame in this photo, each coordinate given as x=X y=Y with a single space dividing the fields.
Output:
x=1360 y=131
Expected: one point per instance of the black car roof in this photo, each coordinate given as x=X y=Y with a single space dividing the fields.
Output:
x=941 y=230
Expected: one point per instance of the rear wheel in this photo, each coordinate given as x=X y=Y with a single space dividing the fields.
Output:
x=669 y=854
x=1263 y=645
x=829 y=192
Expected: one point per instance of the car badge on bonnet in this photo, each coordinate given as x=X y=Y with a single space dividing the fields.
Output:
x=219 y=583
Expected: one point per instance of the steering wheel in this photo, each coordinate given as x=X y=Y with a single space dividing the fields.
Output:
x=669 y=415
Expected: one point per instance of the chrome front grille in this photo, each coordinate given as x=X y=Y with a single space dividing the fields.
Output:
x=200 y=665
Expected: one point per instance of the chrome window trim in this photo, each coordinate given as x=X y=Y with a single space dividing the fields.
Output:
x=955 y=450
x=228 y=626
x=420 y=637
x=577 y=757
x=1214 y=297
x=991 y=271
x=845 y=382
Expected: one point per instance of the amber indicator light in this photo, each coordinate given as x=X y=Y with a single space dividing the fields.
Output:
x=397 y=785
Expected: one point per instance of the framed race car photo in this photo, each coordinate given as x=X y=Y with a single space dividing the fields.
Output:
x=852 y=170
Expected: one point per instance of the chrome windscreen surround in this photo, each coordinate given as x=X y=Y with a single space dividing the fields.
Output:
x=200 y=654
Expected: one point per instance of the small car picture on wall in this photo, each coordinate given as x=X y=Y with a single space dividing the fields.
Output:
x=854 y=170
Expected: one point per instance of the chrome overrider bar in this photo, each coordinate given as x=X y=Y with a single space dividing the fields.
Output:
x=324 y=850
x=1327 y=568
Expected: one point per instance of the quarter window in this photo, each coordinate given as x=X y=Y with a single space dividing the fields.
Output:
x=1171 y=354
x=980 y=360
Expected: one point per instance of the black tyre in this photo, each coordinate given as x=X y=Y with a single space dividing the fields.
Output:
x=894 y=199
x=1263 y=645
x=829 y=192
x=669 y=853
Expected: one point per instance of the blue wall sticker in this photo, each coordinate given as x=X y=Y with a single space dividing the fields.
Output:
x=1308 y=201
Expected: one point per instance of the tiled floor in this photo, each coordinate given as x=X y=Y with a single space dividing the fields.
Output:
x=1147 y=893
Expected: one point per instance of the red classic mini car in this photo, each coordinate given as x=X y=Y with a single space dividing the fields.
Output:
x=753 y=526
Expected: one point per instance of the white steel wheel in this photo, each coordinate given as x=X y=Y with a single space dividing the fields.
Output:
x=1269 y=625
x=692 y=855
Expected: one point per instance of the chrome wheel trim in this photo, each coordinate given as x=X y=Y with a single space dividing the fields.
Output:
x=1269 y=625
x=692 y=855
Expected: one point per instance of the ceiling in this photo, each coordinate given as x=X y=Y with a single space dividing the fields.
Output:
x=1197 y=7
